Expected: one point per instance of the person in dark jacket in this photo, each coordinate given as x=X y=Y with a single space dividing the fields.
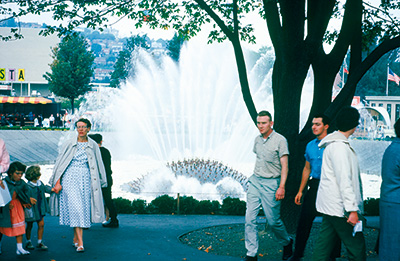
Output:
x=111 y=211
x=389 y=205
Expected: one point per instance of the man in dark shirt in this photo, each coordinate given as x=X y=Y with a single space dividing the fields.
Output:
x=106 y=157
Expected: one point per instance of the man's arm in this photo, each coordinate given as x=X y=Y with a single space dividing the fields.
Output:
x=304 y=180
x=280 y=193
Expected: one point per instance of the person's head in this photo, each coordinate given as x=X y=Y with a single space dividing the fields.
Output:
x=83 y=127
x=397 y=128
x=33 y=173
x=97 y=138
x=264 y=123
x=347 y=119
x=16 y=170
x=320 y=125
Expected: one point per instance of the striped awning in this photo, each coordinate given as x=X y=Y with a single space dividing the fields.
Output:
x=34 y=100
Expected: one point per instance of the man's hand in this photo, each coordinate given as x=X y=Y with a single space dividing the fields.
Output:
x=298 y=197
x=353 y=218
x=280 y=194
x=1 y=184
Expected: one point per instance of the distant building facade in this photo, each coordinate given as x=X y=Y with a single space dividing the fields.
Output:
x=390 y=103
x=25 y=61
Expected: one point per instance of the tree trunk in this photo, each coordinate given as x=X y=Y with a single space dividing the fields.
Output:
x=287 y=81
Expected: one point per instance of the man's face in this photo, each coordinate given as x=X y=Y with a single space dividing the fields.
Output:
x=264 y=124
x=318 y=127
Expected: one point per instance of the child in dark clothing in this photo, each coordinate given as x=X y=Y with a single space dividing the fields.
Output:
x=37 y=190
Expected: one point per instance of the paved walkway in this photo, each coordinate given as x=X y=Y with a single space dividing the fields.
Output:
x=139 y=237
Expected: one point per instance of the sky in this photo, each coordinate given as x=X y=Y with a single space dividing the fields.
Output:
x=126 y=28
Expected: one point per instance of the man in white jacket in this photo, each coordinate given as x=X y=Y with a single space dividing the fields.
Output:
x=339 y=196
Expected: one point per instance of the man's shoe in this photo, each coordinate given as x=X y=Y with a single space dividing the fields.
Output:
x=42 y=246
x=288 y=250
x=250 y=258
x=294 y=258
x=29 y=246
x=113 y=224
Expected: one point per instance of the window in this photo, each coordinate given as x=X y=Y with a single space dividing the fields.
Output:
x=373 y=104
x=389 y=110
x=380 y=105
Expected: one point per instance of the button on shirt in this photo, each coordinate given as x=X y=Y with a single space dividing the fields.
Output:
x=269 y=152
x=314 y=156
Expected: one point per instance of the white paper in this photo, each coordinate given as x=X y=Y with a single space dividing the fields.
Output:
x=4 y=195
x=357 y=227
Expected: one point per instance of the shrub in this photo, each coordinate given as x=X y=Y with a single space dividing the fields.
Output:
x=139 y=206
x=188 y=205
x=205 y=207
x=371 y=207
x=233 y=206
x=163 y=205
x=123 y=206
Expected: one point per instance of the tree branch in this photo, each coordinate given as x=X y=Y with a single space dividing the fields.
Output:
x=216 y=18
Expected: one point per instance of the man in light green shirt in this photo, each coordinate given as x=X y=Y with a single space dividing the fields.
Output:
x=267 y=186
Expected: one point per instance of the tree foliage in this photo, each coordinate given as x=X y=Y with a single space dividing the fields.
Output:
x=174 y=46
x=71 y=68
x=123 y=66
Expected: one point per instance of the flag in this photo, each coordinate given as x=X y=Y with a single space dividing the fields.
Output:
x=345 y=70
x=393 y=77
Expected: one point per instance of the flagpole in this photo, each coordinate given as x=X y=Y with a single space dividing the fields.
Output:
x=387 y=79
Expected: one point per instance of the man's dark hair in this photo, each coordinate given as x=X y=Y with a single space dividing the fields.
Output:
x=397 y=128
x=347 y=118
x=16 y=166
x=325 y=119
x=96 y=137
x=265 y=113
x=86 y=121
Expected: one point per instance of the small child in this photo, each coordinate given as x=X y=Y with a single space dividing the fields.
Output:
x=19 y=192
x=37 y=190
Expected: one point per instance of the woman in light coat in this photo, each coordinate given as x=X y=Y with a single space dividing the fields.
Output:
x=77 y=179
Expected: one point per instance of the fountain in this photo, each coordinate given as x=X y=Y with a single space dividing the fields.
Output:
x=189 y=111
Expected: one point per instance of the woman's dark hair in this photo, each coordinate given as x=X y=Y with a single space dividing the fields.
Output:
x=33 y=173
x=86 y=121
x=16 y=166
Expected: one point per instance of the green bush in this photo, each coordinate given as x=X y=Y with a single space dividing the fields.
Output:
x=139 y=206
x=207 y=207
x=163 y=205
x=188 y=205
x=371 y=207
x=233 y=206
x=123 y=206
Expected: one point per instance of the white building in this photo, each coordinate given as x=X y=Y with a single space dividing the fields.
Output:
x=24 y=62
x=390 y=103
